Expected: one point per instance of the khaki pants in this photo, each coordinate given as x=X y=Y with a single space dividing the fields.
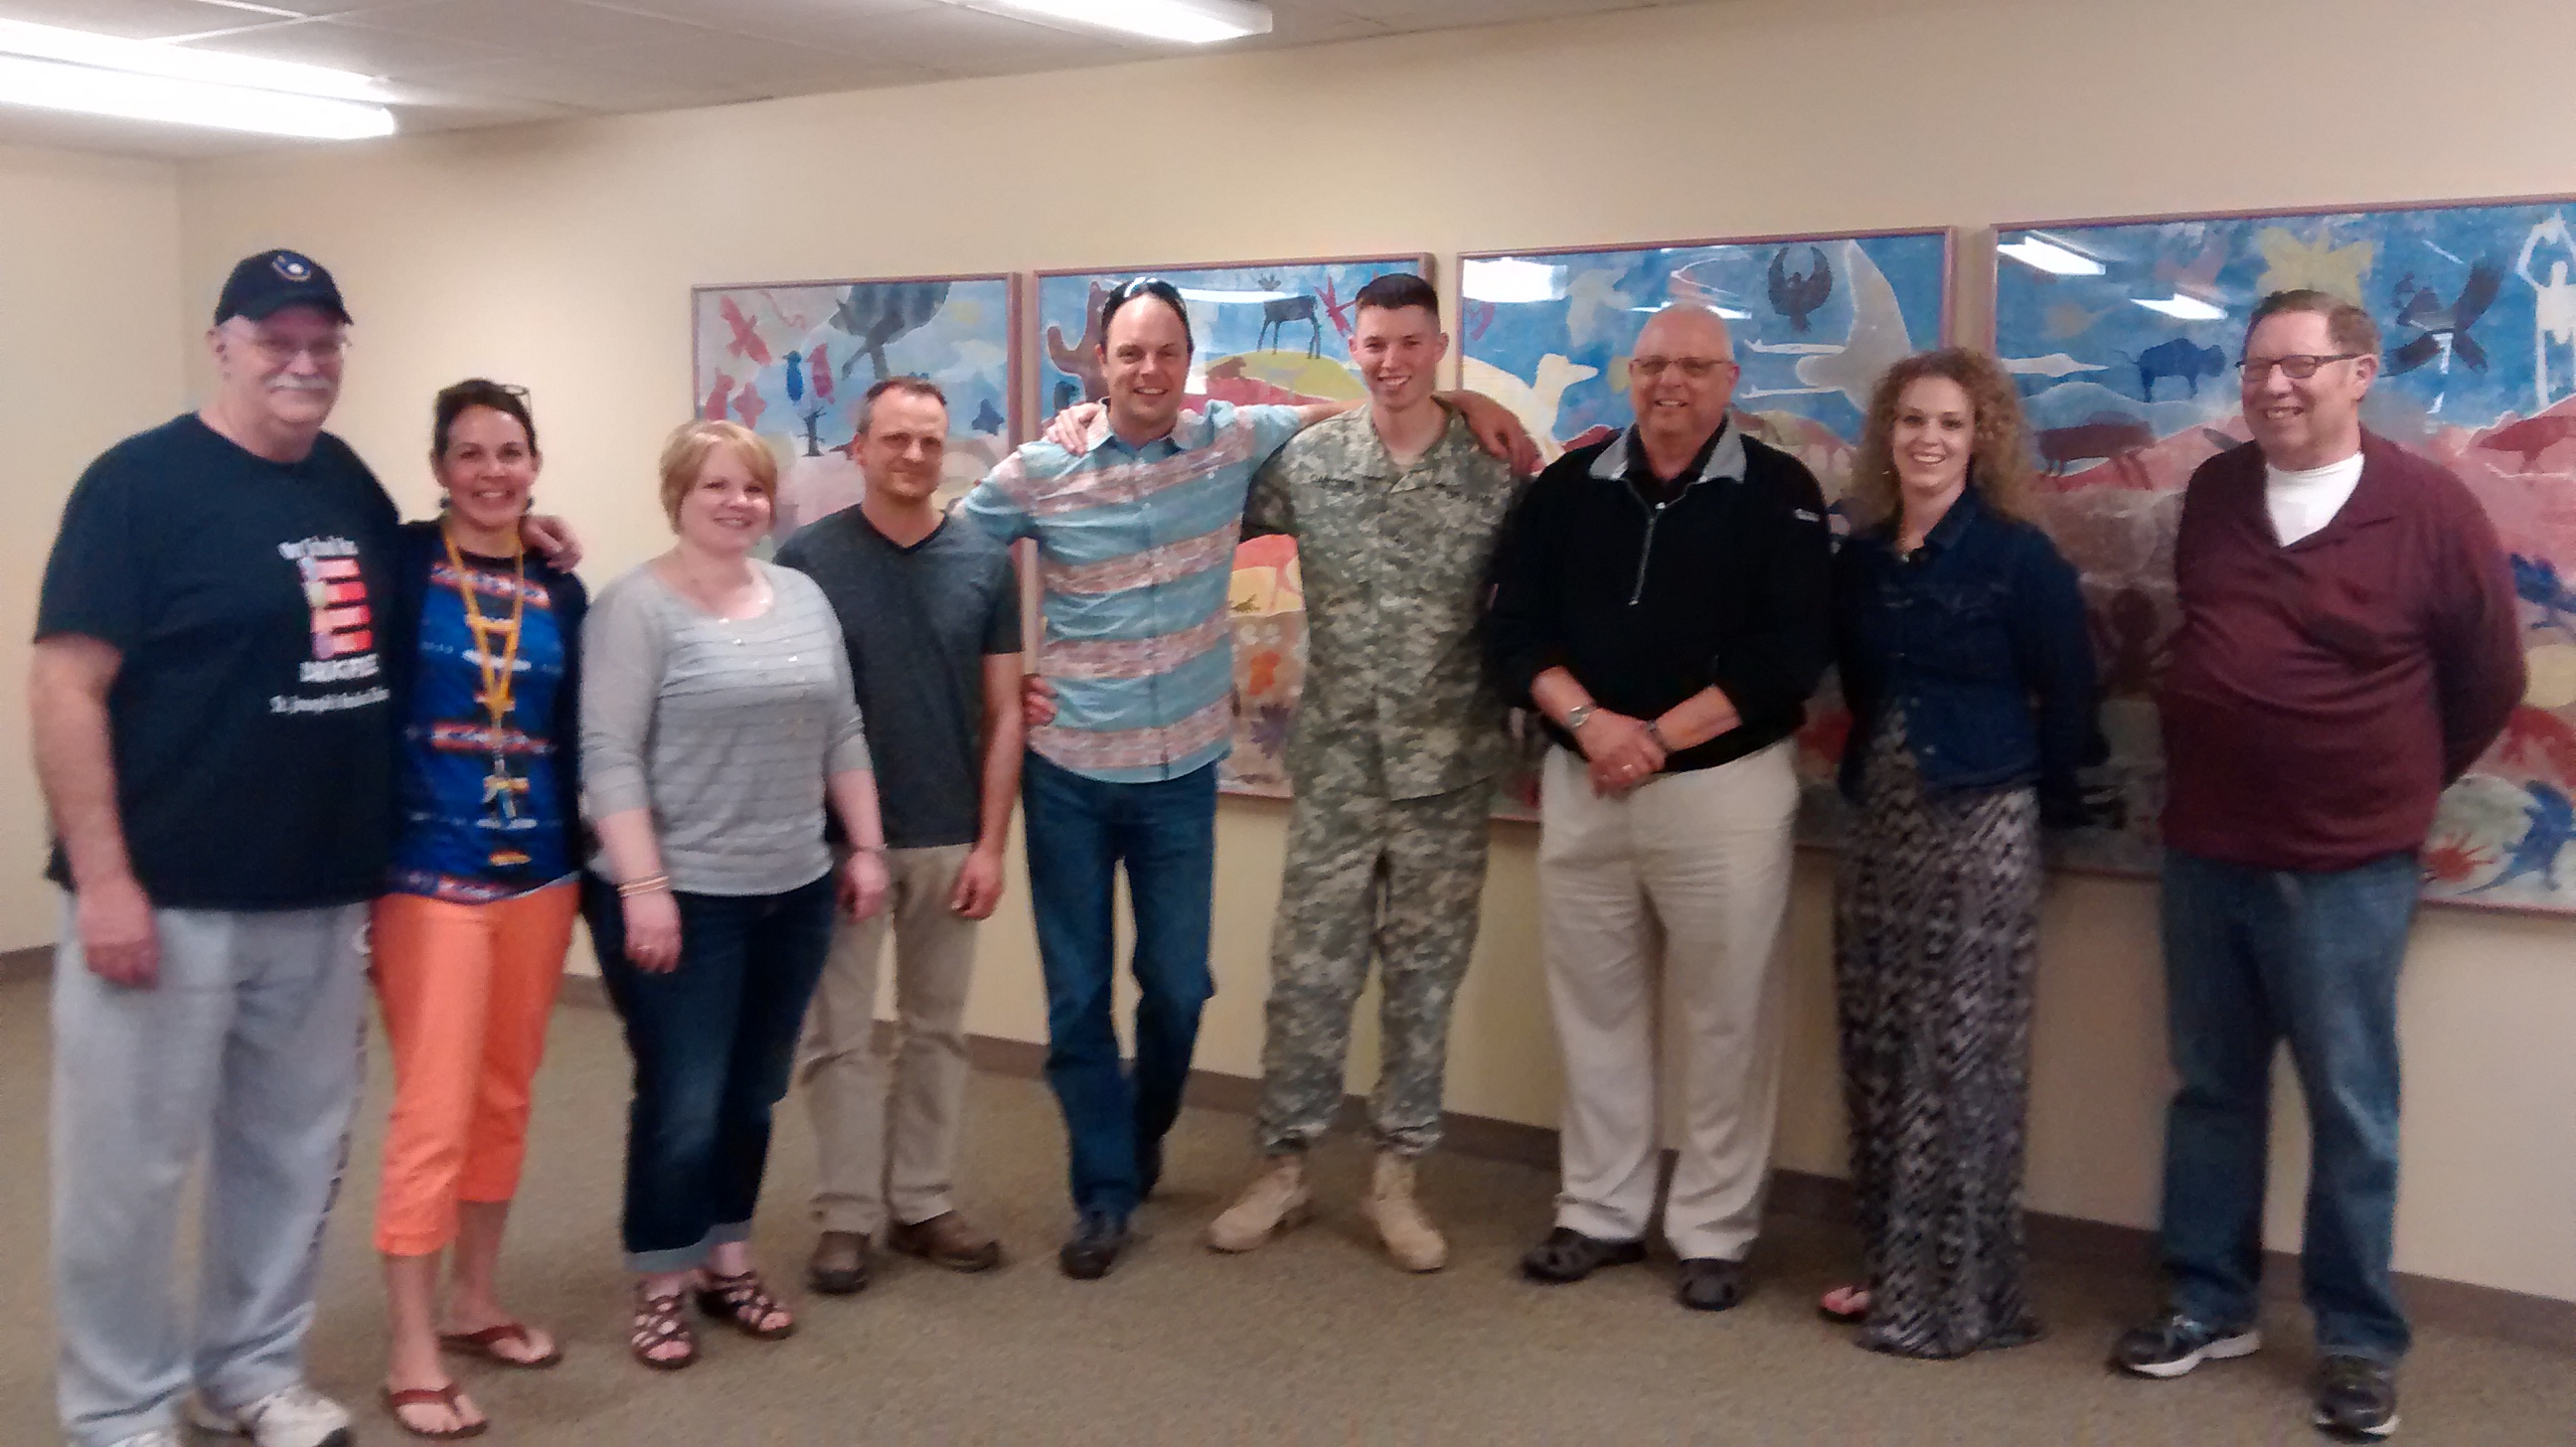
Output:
x=1702 y=860
x=886 y=1122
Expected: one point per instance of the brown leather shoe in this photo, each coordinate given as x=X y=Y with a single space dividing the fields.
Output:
x=840 y=1264
x=947 y=1239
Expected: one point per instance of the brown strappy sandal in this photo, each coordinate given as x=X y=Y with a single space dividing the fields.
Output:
x=660 y=1321
x=445 y=1396
x=743 y=1301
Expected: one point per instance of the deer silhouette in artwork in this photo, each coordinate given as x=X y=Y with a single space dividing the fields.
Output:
x=1278 y=313
x=1081 y=360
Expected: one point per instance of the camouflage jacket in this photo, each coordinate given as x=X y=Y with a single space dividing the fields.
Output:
x=1396 y=700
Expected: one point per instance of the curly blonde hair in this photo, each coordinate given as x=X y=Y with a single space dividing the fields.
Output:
x=1999 y=458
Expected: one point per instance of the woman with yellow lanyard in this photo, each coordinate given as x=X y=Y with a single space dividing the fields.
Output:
x=471 y=932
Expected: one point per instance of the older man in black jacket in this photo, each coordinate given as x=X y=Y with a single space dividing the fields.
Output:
x=1661 y=599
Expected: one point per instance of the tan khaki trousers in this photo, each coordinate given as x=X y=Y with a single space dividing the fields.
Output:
x=886 y=1120
x=1699 y=861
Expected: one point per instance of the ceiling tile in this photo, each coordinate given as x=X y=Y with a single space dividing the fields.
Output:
x=812 y=21
x=538 y=28
x=969 y=42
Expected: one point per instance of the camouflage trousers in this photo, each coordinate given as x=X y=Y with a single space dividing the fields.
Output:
x=1397 y=879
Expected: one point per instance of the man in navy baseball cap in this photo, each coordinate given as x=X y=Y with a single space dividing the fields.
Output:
x=274 y=280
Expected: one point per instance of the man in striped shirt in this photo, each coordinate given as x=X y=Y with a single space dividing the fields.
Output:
x=1136 y=521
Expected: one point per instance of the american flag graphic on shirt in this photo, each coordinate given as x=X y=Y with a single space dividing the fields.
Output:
x=337 y=594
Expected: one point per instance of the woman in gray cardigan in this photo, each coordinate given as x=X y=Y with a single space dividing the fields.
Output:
x=717 y=722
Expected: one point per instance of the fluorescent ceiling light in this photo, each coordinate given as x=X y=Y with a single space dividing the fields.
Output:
x=2184 y=308
x=187 y=102
x=1508 y=279
x=1195 y=22
x=2052 y=258
x=179 y=62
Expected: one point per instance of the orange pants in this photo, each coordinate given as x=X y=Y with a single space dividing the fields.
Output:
x=467 y=989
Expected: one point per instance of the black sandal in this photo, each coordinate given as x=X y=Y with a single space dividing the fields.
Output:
x=743 y=1301
x=660 y=1321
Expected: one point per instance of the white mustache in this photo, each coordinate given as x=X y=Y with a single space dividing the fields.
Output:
x=300 y=384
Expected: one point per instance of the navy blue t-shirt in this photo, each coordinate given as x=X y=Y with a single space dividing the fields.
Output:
x=252 y=719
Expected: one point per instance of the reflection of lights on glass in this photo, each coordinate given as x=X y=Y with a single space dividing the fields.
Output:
x=1193 y=294
x=2050 y=257
x=1728 y=312
x=2184 y=308
x=1509 y=279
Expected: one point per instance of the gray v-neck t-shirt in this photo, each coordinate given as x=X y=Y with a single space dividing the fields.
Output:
x=919 y=622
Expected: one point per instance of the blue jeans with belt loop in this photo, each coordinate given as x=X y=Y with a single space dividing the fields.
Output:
x=1080 y=830
x=2254 y=957
x=714 y=1042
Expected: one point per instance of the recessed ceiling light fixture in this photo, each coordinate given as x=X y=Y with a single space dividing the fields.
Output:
x=74 y=70
x=1193 y=22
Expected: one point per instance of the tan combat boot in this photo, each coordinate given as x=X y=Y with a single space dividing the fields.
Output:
x=1276 y=1200
x=1410 y=1238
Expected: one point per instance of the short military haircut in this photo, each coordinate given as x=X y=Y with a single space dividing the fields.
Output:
x=909 y=386
x=1397 y=290
x=685 y=454
x=2349 y=326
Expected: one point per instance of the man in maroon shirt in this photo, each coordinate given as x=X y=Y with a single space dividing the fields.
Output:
x=2349 y=645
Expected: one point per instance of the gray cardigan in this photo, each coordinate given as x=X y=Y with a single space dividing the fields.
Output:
x=725 y=729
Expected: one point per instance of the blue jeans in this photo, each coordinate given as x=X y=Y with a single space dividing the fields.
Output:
x=2254 y=957
x=714 y=1041
x=1079 y=830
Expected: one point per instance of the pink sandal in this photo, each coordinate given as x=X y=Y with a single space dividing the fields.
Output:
x=1845 y=1305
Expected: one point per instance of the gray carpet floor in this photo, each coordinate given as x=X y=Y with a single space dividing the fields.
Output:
x=1311 y=1340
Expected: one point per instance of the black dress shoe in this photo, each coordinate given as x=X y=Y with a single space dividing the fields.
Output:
x=1094 y=1246
x=2356 y=1398
x=1569 y=1255
x=1710 y=1283
x=840 y=1264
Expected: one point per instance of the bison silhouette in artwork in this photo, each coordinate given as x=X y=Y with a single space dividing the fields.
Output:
x=2179 y=358
x=2111 y=437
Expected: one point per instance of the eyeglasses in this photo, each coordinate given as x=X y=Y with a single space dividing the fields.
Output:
x=2298 y=366
x=1696 y=369
x=325 y=353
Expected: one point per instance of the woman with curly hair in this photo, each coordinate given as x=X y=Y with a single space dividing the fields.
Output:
x=1960 y=636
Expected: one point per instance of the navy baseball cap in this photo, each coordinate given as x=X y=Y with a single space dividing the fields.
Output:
x=262 y=285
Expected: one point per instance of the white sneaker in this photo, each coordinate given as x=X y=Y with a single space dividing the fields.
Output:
x=295 y=1416
x=157 y=1437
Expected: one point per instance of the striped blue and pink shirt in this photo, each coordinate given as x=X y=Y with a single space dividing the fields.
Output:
x=1135 y=559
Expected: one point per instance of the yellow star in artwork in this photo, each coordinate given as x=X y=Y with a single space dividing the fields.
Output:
x=2292 y=263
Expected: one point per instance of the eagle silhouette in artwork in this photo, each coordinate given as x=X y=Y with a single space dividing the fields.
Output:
x=1799 y=295
x=2442 y=328
x=876 y=313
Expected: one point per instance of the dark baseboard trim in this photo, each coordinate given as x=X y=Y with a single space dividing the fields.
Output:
x=35 y=962
x=2518 y=1317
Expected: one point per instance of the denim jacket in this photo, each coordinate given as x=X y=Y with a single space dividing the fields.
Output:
x=1980 y=637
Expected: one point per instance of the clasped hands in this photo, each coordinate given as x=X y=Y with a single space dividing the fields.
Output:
x=1622 y=751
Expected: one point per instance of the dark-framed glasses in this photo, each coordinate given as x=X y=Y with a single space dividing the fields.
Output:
x=2298 y=366
x=1696 y=369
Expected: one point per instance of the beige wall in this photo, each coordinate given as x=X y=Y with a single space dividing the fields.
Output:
x=561 y=258
x=89 y=288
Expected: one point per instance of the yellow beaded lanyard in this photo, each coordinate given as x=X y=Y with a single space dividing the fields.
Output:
x=500 y=677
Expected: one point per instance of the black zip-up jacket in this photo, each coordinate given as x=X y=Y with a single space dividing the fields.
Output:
x=1726 y=582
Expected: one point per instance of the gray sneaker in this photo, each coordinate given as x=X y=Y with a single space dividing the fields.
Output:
x=295 y=1416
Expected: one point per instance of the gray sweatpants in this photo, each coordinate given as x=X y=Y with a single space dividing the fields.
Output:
x=247 y=1049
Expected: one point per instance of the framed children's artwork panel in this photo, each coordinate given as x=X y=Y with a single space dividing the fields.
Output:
x=2126 y=334
x=792 y=361
x=1816 y=320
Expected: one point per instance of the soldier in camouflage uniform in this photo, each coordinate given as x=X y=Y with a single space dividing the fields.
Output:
x=1398 y=739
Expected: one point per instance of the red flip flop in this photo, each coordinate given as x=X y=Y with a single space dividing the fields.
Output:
x=433 y=1397
x=486 y=1343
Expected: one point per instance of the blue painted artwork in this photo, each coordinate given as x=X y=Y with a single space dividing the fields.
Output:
x=1264 y=332
x=792 y=363
x=2126 y=335
x=1816 y=321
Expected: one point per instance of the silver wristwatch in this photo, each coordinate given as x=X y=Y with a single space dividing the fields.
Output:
x=1579 y=715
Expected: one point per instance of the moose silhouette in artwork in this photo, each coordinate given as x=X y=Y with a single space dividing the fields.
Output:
x=1278 y=313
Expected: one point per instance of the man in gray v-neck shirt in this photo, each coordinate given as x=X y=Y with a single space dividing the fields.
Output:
x=932 y=618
